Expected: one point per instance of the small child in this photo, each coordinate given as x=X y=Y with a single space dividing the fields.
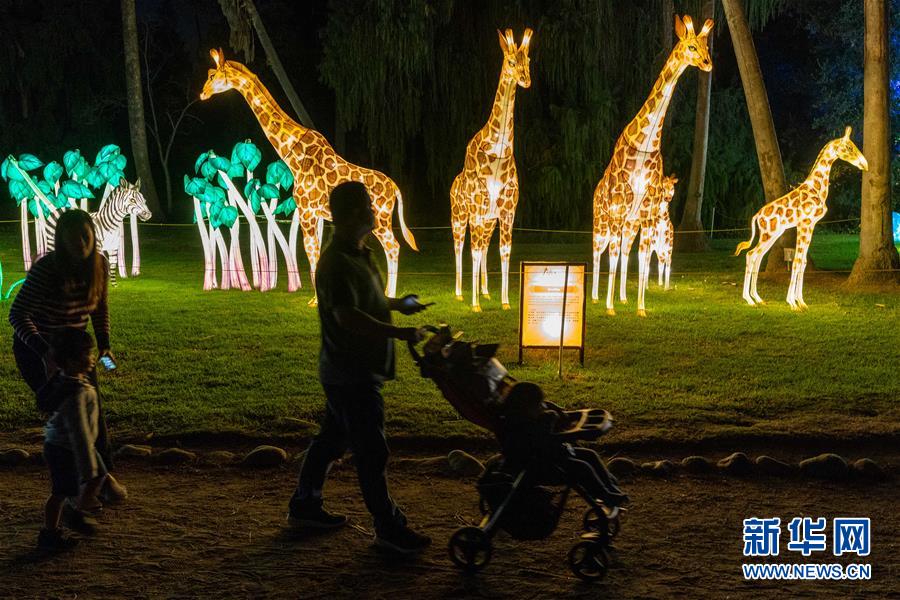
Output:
x=76 y=469
x=527 y=439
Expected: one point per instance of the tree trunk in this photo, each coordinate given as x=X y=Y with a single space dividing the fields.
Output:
x=277 y=67
x=691 y=237
x=767 y=151
x=877 y=253
x=135 y=95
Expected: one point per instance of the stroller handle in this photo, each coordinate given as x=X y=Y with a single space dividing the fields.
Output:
x=412 y=345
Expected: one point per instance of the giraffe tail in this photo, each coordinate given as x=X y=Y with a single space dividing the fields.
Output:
x=407 y=234
x=744 y=245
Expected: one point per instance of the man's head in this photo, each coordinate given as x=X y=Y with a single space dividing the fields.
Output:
x=72 y=350
x=351 y=209
x=525 y=399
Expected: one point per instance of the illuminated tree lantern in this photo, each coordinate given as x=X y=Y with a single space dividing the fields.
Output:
x=802 y=207
x=487 y=189
x=316 y=168
x=662 y=235
x=628 y=197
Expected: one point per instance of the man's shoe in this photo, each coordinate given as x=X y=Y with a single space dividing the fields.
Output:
x=78 y=521
x=402 y=540
x=310 y=514
x=55 y=540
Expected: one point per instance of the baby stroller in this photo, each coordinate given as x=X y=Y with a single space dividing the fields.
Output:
x=522 y=502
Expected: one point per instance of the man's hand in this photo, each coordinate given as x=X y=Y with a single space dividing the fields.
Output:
x=410 y=334
x=408 y=305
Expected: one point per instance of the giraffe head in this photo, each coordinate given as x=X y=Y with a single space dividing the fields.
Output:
x=135 y=203
x=222 y=78
x=846 y=150
x=515 y=57
x=668 y=188
x=692 y=47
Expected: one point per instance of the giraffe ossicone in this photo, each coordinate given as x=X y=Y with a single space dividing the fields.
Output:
x=628 y=196
x=802 y=207
x=486 y=191
x=316 y=167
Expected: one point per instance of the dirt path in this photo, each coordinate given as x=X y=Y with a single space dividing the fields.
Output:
x=190 y=533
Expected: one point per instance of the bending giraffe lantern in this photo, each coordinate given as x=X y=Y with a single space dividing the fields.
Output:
x=802 y=208
x=316 y=168
x=487 y=189
x=662 y=235
x=627 y=197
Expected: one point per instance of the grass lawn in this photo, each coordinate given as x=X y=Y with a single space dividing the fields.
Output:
x=702 y=364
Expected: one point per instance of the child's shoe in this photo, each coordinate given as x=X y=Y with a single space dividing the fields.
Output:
x=77 y=520
x=55 y=540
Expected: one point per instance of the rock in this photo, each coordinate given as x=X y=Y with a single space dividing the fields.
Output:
x=622 y=467
x=294 y=424
x=299 y=457
x=825 y=466
x=697 y=464
x=219 y=457
x=431 y=465
x=464 y=464
x=13 y=457
x=866 y=468
x=658 y=468
x=134 y=451
x=736 y=464
x=174 y=456
x=264 y=456
x=773 y=467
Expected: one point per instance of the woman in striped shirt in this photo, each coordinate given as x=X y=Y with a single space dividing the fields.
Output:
x=66 y=288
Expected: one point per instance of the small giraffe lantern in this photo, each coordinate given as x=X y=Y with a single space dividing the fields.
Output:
x=316 y=167
x=487 y=189
x=802 y=208
x=628 y=196
x=663 y=233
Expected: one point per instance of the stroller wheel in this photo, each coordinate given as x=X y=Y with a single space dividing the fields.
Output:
x=470 y=549
x=588 y=560
x=596 y=520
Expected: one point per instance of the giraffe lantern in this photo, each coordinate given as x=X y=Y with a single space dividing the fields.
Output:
x=487 y=189
x=662 y=236
x=316 y=167
x=628 y=196
x=802 y=208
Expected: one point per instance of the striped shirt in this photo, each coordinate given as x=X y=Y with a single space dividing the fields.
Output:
x=42 y=306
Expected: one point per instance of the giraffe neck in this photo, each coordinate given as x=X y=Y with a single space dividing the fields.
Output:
x=821 y=171
x=645 y=130
x=499 y=128
x=271 y=117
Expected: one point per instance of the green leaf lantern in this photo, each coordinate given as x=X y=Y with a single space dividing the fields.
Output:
x=286 y=207
x=52 y=172
x=120 y=162
x=29 y=162
x=59 y=200
x=195 y=186
x=107 y=153
x=75 y=190
x=5 y=168
x=251 y=193
x=208 y=170
x=198 y=164
x=47 y=189
x=228 y=215
x=213 y=195
x=20 y=190
x=236 y=170
x=268 y=191
x=95 y=178
x=247 y=154
x=109 y=172
x=278 y=173
x=70 y=160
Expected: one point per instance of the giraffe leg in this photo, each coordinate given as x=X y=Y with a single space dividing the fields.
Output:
x=660 y=270
x=459 y=241
x=629 y=232
x=601 y=241
x=668 y=267
x=488 y=233
x=804 y=237
x=309 y=224
x=505 y=251
x=614 y=241
x=385 y=235
x=643 y=269
x=477 y=247
x=765 y=244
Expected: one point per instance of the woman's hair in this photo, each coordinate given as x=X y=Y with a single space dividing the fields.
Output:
x=73 y=270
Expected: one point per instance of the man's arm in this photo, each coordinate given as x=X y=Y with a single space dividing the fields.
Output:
x=352 y=319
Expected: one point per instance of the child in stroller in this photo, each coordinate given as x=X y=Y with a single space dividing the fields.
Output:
x=537 y=439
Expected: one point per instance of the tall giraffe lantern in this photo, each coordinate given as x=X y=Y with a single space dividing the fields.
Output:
x=628 y=196
x=316 y=167
x=802 y=208
x=487 y=189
